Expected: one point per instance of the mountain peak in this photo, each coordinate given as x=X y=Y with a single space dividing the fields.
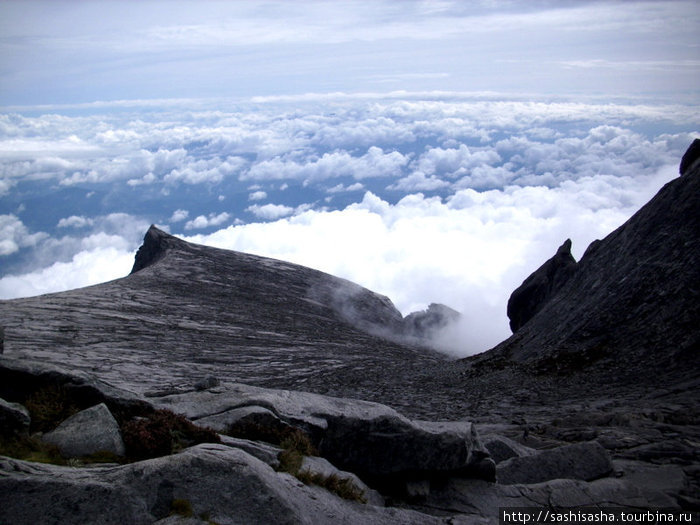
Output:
x=155 y=244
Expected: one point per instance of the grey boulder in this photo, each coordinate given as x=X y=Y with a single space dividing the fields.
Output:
x=582 y=461
x=366 y=438
x=87 y=432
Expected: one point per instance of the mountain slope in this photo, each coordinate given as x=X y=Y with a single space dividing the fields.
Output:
x=626 y=317
x=187 y=311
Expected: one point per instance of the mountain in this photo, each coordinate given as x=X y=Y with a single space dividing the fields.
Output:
x=226 y=387
x=188 y=311
x=629 y=306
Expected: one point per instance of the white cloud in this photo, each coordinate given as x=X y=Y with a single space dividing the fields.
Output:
x=202 y=221
x=75 y=221
x=257 y=195
x=14 y=235
x=270 y=211
x=374 y=163
x=179 y=215
x=469 y=252
x=340 y=188
x=85 y=268
x=417 y=181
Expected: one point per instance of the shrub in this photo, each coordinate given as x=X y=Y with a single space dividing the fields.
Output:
x=181 y=507
x=30 y=449
x=295 y=446
x=343 y=487
x=161 y=433
x=48 y=407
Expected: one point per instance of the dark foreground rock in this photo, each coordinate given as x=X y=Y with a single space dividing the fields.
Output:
x=210 y=482
x=369 y=439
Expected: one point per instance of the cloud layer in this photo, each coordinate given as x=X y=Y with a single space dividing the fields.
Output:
x=440 y=197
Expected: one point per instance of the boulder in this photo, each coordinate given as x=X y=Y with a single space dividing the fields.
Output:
x=582 y=461
x=87 y=432
x=502 y=448
x=476 y=499
x=13 y=417
x=540 y=286
x=318 y=466
x=219 y=484
x=20 y=377
x=265 y=452
x=206 y=382
x=388 y=445
x=366 y=438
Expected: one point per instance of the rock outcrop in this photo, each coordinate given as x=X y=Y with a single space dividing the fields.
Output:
x=531 y=296
x=429 y=323
x=369 y=439
x=632 y=299
x=689 y=160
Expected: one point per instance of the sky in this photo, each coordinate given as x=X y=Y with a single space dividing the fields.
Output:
x=430 y=151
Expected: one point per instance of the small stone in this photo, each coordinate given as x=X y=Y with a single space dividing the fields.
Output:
x=206 y=383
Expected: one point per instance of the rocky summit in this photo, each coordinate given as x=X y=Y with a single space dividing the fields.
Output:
x=212 y=386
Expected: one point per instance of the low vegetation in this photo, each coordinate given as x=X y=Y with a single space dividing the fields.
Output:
x=48 y=407
x=161 y=433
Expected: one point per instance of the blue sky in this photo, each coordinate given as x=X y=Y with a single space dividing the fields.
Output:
x=431 y=151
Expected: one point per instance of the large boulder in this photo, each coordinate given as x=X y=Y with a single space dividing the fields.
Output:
x=87 y=432
x=367 y=438
x=212 y=482
x=540 y=286
x=584 y=461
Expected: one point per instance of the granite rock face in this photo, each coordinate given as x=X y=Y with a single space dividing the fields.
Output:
x=531 y=296
x=690 y=157
x=633 y=299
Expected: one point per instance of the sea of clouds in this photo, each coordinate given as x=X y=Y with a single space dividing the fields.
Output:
x=424 y=197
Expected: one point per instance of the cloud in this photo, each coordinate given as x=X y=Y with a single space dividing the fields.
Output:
x=87 y=267
x=469 y=251
x=75 y=221
x=374 y=163
x=202 y=221
x=179 y=215
x=270 y=211
x=340 y=188
x=460 y=195
x=257 y=195
x=14 y=235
